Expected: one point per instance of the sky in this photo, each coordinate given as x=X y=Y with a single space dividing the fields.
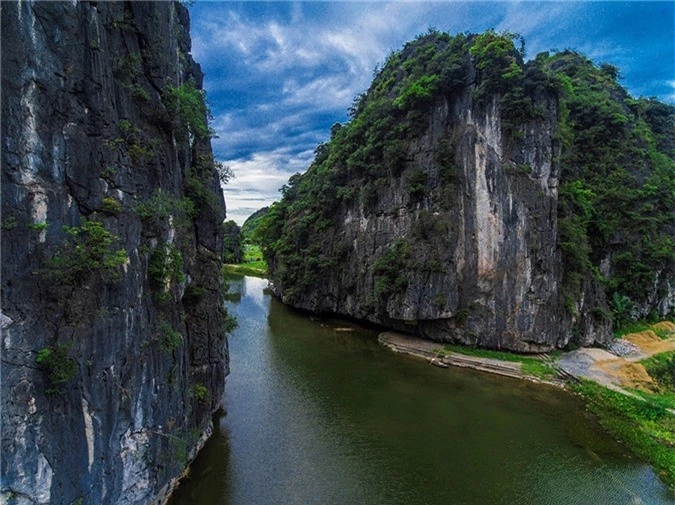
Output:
x=280 y=74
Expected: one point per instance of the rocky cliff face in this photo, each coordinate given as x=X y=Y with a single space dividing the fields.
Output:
x=435 y=210
x=474 y=260
x=114 y=353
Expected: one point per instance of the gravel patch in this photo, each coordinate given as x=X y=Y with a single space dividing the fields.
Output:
x=621 y=347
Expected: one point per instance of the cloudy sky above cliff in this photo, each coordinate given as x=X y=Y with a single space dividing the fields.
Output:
x=279 y=74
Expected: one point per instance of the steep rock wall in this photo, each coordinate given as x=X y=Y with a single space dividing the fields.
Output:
x=111 y=365
x=448 y=229
x=488 y=252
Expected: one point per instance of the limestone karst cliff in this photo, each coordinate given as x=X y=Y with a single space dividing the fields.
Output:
x=451 y=204
x=114 y=350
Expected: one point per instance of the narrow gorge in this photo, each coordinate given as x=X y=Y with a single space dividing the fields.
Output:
x=114 y=349
x=476 y=207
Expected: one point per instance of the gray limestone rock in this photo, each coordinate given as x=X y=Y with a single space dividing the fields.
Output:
x=88 y=136
x=483 y=265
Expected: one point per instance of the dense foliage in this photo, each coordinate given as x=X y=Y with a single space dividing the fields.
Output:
x=233 y=251
x=187 y=105
x=360 y=156
x=616 y=194
x=661 y=367
x=250 y=226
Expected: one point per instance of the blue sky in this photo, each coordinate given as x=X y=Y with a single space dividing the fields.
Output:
x=279 y=74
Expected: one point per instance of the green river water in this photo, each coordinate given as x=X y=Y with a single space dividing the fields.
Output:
x=315 y=415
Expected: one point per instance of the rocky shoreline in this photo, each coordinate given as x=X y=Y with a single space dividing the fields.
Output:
x=612 y=368
x=429 y=351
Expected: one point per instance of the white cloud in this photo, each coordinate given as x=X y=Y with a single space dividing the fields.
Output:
x=323 y=93
x=278 y=77
x=258 y=179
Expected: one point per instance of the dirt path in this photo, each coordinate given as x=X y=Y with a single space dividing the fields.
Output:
x=619 y=372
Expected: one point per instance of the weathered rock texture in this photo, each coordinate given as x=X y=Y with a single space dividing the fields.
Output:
x=88 y=136
x=435 y=210
x=487 y=253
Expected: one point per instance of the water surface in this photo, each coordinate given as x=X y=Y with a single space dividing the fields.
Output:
x=317 y=415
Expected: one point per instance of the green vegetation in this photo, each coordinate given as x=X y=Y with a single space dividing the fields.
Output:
x=390 y=270
x=253 y=254
x=8 y=223
x=617 y=183
x=111 y=206
x=165 y=268
x=638 y=326
x=233 y=251
x=138 y=147
x=169 y=339
x=417 y=182
x=38 y=226
x=200 y=187
x=60 y=367
x=178 y=450
x=361 y=156
x=418 y=92
x=187 y=104
x=129 y=70
x=109 y=173
x=371 y=150
x=250 y=226
x=127 y=23
x=255 y=269
x=617 y=187
x=157 y=210
x=229 y=322
x=201 y=393
x=645 y=426
x=532 y=366
x=498 y=62
x=661 y=367
x=89 y=250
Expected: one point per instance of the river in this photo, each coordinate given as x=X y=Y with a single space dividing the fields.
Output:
x=314 y=414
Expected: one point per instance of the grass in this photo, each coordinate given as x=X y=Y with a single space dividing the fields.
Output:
x=661 y=368
x=530 y=365
x=645 y=426
x=638 y=326
x=257 y=269
x=665 y=399
x=252 y=253
x=253 y=264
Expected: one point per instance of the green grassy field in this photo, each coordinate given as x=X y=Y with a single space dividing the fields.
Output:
x=253 y=264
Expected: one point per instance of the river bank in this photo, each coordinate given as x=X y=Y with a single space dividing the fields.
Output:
x=500 y=363
x=631 y=405
x=317 y=411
